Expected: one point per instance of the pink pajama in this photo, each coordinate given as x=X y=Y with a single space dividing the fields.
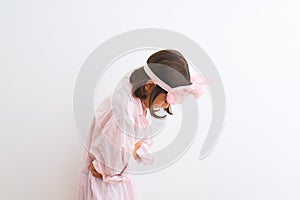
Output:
x=110 y=150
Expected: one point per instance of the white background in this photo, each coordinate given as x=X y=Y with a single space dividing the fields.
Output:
x=254 y=44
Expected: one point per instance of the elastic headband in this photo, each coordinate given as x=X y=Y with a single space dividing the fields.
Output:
x=157 y=80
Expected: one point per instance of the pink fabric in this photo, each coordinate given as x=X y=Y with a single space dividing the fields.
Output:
x=178 y=95
x=110 y=149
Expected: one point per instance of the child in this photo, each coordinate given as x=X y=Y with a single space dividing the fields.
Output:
x=123 y=117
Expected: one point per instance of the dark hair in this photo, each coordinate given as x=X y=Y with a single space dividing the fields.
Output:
x=168 y=65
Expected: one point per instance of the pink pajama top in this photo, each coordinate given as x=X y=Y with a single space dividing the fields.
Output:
x=120 y=121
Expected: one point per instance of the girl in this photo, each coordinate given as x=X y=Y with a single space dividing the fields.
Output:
x=120 y=128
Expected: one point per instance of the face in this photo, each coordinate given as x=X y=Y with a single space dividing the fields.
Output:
x=160 y=101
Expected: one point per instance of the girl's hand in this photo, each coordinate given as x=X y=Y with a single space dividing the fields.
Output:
x=137 y=146
x=134 y=155
x=94 y=172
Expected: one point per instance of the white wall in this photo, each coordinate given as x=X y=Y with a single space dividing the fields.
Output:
x=254 y=44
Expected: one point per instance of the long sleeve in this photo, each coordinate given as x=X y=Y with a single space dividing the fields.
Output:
x=111 y=147
x=143 y=130
x=144 y=152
